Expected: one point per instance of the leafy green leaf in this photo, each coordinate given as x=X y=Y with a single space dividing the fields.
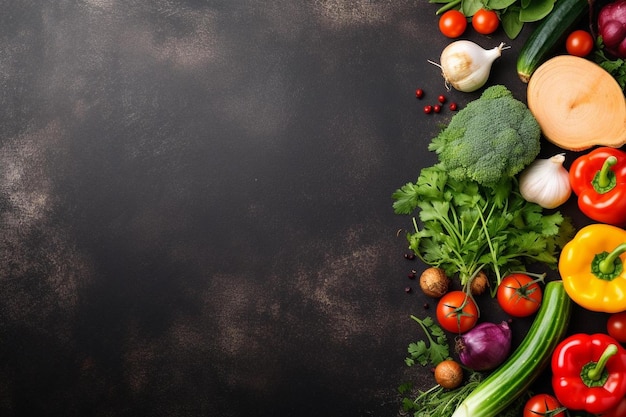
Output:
x=511 y=24
x=535 y=10
x=406 y=199
x=437 y=349
x=469 y=7
x=499 y=4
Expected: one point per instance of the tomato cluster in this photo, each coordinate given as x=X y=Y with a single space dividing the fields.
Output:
x=453 y=23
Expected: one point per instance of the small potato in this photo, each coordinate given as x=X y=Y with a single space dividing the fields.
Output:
x=434 y=282
x=479 y=284
x=449 y=374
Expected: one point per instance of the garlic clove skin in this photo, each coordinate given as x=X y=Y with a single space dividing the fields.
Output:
x=546 y=182
x=466 y=66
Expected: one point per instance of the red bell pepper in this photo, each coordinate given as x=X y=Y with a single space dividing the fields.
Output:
x=598 y=178
x=589 y=372
x=618 y=411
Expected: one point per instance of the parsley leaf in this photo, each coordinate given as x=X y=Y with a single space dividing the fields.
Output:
x=464 y=227
x=437 y=349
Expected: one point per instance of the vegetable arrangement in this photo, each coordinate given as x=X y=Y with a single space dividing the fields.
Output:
x=487 y=212
x=512 y=13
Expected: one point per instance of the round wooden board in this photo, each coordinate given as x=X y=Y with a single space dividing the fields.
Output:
x=577 y=104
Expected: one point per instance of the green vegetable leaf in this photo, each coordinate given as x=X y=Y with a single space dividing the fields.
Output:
x=499 y=4
x=406 y=199
x=535 y=10
x=469 y=7
x=437 y=349
x=511 y=24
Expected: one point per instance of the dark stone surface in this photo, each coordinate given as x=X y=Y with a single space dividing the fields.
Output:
x=195 y=204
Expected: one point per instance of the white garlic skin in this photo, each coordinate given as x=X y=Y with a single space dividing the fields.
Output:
x=546 y=182
x=466 y=65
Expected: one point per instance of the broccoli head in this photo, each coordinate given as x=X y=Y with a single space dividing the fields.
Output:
x=494 y=136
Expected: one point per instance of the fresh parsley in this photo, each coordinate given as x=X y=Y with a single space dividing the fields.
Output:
x=437 y=349
x=463 y=227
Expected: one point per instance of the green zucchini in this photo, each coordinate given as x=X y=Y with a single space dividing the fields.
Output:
x=519 y=371
x=548 y=35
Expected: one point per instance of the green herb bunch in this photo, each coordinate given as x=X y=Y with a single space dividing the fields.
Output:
x=464 y=227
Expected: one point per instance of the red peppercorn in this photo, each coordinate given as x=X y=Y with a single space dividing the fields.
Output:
x=436 y=108
x=442 y=99
x=428 y=109
x=419 y=93
x=453 y=106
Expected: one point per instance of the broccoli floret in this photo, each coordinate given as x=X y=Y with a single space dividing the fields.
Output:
x=494 y=136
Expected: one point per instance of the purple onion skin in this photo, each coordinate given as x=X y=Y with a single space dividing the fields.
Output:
x=612 y=27
x=485 y=346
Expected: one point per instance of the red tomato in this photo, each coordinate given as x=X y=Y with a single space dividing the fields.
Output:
x=616 y=326
x=457 y=312
x=452 y=23
x=579 y=43
x=485 y=21
x=519 y=295
x=541 y=405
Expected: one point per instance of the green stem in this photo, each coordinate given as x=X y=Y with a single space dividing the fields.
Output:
x=605 y=179
x=430 y=339
x=595 y=373
x=607 y=265
x=451 y=5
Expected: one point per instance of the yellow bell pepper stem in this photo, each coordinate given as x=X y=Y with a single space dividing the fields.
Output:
x=609 y=265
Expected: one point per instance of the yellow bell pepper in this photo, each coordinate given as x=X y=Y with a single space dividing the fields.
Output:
x=592 y=268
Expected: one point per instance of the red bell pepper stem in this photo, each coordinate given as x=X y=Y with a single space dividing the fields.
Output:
x=595 y=372
x=607 y=265
x=604 y=180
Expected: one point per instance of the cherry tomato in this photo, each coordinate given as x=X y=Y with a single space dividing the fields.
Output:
x=542 y=405
x=457 y=312
x=452 y=23
x=519 y=295
x=485 y=21
x=616 y=326
x=579 y=43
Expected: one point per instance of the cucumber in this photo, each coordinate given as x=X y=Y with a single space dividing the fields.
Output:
x=519 y=371
x=548 y=35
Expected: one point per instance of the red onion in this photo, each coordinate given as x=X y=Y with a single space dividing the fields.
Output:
x=612 y=27
x=485 y=346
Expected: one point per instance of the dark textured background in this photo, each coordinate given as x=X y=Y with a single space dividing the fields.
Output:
x=195 y=204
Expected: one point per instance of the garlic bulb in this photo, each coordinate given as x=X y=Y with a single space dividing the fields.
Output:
x=546 y=182
x=466 y=66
